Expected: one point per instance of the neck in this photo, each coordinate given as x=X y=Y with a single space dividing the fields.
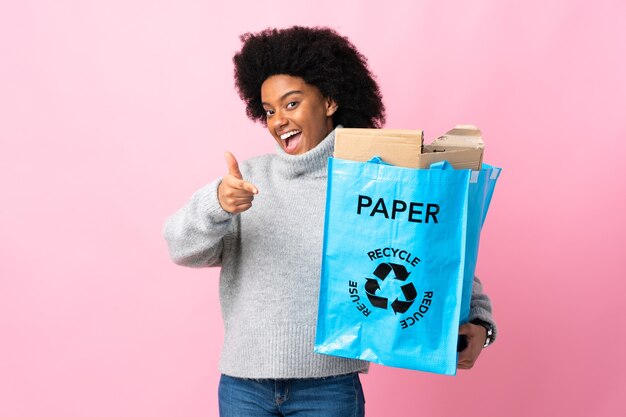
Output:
x=313 y=163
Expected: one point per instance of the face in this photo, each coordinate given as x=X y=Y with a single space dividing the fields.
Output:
x=298 y=116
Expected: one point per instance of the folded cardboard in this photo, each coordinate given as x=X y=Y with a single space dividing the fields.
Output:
x=462 y=147
x=394 y=146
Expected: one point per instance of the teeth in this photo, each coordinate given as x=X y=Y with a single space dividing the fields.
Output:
x=287 y=135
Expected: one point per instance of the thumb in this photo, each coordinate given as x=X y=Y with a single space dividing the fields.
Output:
x=233 y=166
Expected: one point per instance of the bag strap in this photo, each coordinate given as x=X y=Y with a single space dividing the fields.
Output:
x=377 y=160
x=442 y=165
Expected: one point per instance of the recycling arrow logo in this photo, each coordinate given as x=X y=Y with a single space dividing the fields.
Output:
x=382 y=272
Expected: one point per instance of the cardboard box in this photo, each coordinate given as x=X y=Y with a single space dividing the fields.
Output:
x=462 y=147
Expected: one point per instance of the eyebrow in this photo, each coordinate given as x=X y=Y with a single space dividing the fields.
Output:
x=285 y=95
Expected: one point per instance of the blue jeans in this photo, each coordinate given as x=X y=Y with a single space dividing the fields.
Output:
x=336 y=396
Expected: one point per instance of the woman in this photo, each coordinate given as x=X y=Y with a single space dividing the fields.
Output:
x=263 y=224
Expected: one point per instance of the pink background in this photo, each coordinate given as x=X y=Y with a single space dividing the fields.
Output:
x=113 y=112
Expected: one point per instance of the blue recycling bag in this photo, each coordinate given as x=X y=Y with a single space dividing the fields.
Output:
x=393 y=264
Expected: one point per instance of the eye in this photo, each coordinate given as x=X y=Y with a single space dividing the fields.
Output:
x=269 y=113
x=292 y=104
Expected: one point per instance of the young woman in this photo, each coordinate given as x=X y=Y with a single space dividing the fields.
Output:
x=263 y=224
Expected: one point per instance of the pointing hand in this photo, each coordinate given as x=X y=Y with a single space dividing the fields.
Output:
x=234 y=193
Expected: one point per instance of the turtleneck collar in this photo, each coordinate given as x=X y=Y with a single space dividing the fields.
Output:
x=313 y=163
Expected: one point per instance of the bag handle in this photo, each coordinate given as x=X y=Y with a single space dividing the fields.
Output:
x=446 y=166
x=378 y=160
x=442 y=165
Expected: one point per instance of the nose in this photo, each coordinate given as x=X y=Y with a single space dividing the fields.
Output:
x=279 y=121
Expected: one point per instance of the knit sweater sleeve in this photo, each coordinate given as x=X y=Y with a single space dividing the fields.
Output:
x=480 y=307
x=195 y=234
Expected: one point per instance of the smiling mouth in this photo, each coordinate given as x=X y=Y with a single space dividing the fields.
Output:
x=291 y=140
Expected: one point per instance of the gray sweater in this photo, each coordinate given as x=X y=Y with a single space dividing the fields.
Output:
x=270 y=257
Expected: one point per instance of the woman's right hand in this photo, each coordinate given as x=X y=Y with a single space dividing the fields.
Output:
x=235 y=195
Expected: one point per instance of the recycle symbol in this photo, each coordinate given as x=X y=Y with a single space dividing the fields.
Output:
x=400 y=273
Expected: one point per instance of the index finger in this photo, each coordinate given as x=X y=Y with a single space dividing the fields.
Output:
x=249 y=187
x=240 y=184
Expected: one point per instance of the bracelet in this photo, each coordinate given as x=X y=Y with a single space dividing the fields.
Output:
x=487 y=327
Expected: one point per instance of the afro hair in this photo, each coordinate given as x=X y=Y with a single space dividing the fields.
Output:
x=321 y=57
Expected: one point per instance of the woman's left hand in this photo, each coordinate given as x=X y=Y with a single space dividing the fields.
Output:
x=476 y=336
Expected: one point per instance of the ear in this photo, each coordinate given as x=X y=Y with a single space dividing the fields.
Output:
x=331 y=106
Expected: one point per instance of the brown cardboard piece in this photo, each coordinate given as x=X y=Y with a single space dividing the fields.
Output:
x=394 y=146
x=462 y=147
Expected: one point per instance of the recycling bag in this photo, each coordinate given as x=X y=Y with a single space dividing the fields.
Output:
x=393 y=264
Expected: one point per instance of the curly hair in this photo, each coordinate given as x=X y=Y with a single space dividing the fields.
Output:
x=321 y=57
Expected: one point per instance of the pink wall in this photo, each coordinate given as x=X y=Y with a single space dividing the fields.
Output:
x=113 y=112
